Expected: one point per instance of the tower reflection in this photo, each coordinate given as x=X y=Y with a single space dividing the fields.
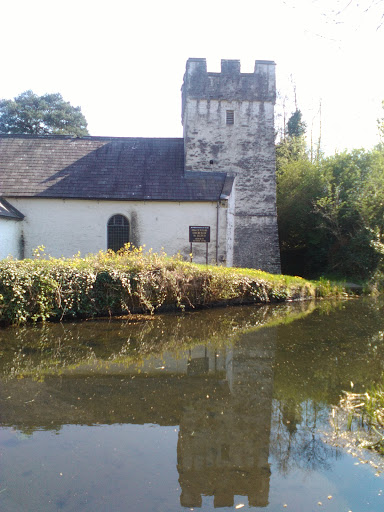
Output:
x=224 y=437
x=222 y=400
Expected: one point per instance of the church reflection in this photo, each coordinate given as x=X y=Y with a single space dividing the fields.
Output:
x=223 y=444
x=245 y=397
x=222 y=400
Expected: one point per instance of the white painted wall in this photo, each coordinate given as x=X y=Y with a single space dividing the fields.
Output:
x=10 y=233
x=66 y=227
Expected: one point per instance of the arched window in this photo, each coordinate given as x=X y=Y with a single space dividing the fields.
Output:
x=118 y=232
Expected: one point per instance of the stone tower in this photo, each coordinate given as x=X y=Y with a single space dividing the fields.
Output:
x=228 y=122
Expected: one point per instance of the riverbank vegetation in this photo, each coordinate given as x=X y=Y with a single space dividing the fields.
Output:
x=133 y=281
x=330 y=209
x=359 y=419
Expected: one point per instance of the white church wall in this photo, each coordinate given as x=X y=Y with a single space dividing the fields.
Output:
x=66 y=227
x=10 y=233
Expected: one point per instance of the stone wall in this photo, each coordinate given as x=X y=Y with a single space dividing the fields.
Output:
x=244 y=147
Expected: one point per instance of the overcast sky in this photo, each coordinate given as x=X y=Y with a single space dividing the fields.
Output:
x=123 y=61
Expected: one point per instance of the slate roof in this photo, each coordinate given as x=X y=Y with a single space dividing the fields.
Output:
x=103 y=168
x=8 y=211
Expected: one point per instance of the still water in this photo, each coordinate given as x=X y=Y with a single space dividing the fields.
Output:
x=214 y=409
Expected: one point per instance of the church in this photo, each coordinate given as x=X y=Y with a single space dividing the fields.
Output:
x=211 y=194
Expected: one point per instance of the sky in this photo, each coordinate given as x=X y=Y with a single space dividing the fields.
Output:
x=123 y=61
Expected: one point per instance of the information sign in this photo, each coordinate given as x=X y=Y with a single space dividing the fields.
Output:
x=199 y=234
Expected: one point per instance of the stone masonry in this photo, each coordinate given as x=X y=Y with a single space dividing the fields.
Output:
x=228 y=121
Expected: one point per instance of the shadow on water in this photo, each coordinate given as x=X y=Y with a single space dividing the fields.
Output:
x=247 y=388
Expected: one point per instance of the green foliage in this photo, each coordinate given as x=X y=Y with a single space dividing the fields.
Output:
x=41 y=115
x=325 y=288
x=288 y=150
x=292 y=147
x=299 y=186
x=331 y=213
x=128 y=282
x=296 y=126
x=350 y=213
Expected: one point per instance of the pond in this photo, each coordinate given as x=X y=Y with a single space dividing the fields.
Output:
x=225 y=408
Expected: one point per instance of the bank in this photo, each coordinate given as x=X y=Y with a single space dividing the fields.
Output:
x=131 y=282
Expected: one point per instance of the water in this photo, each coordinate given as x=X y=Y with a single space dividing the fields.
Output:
x=224 y=408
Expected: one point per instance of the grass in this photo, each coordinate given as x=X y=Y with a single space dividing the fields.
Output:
x=134 y=281
x=362 y=415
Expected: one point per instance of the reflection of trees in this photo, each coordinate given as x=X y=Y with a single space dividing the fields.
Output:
x=318 y=356
x=295 y=443
x=312 y=366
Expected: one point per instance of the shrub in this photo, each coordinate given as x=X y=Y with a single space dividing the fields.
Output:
x=130 y=281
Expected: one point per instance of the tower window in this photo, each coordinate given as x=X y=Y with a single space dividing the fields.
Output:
x=230 y=119
x=118 y=232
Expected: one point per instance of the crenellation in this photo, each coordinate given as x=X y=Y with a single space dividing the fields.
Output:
x=230 y=67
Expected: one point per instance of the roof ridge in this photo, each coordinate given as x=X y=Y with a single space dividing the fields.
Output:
x=85 y=137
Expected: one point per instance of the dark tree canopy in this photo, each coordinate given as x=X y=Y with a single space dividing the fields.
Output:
x=296 y=126
x=31 y=114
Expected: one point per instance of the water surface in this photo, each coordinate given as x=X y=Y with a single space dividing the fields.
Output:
x=213 y=409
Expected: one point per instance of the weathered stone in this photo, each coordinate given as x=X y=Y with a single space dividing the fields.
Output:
x=245 y=148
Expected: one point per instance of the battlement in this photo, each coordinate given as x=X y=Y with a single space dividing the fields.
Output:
x=230 y=84
x=228 y=67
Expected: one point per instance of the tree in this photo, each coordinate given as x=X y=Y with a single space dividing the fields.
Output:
x=300 y=184
x=351 y=211
x=330 y=210
x=292 y=147
x=31 y=114
x=296 y=126
x=331 y=214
